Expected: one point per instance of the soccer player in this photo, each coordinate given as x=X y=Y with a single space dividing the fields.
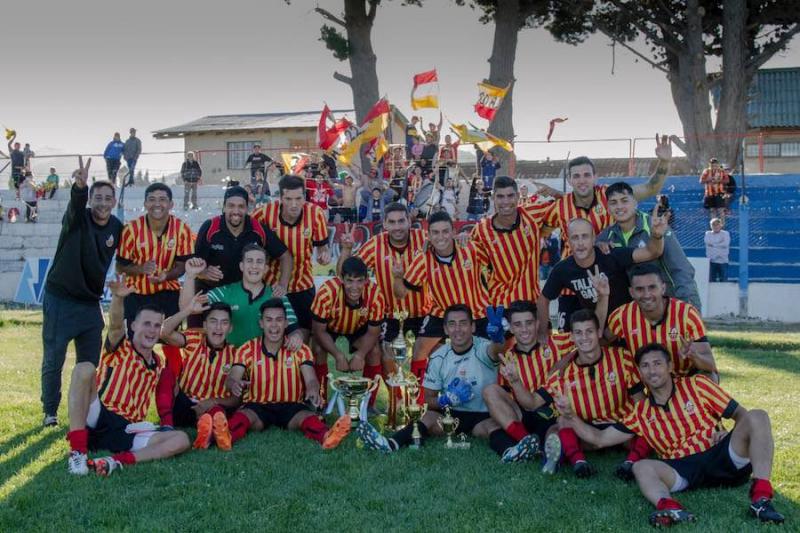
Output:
x=281 y=385
x=631 y=229
x=107 y=406
x=678 y=418
x=245 y=296
x=572 y=273
x=302 y=227
x=451 y=274
x=509 y=242
x=350 y=306
x=201 y=398
x=71 y=302
x=655 y=317
x=714 y=180
x=388 y=254
x=524 y=369
x=456 y=377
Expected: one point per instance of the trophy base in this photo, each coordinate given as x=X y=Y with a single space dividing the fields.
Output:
x=457 y=445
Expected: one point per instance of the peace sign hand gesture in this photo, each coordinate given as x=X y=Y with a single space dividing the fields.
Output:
x=658 y=223
x=599 y=281
x=348 y=239
x=81 y=174
x=119 y=288
x=509 y=368
x=664 y=148
x=686 y=349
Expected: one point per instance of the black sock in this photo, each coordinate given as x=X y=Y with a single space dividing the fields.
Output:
x=500 y=441
x=404 y=438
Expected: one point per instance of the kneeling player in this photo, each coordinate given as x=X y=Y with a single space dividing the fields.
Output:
x=206 y=359
x=523 y=370
x=107 y=407
x=678 y=419
x=457 y=374
x=279 y=382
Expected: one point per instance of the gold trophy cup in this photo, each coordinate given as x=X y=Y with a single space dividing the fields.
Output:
x=449 y=425
x=353 y=389
x=415 y=411
x=400 y=350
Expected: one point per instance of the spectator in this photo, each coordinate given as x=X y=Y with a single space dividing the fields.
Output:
x=434 y=130
x=17 y=162
x=192 y=176
x=488 y=167
x=416 y=149
x=28 y=154
x=476 y=204
x=376 y=205
x=261 y=192
x=715 y=180
x=348 y=209
x=550 y=255
x=113 y=155
x=718 y=245
x=450 y=196
x=319 y=191
x=52 y=182
x=131 y=152
x=429 y=151
x=258 y=161
x=411 y=136
x=27 y=191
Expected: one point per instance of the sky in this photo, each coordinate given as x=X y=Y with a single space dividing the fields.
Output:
x=85 y=69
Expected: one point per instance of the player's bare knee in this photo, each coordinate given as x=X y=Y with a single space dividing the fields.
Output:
x=179 y=442
x=83 y=373
x=642 y=469
x=758 y=419
x=491 y=392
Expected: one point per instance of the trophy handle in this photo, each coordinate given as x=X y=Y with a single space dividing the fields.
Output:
x=331 y=382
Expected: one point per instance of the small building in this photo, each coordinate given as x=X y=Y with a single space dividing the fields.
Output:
x=223 y=142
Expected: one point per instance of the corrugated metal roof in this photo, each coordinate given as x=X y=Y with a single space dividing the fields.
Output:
x=775 y=99
x=256 y=121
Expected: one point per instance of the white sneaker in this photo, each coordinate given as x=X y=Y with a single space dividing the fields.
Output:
x=103 y=466
x=78 y=463
x=50 y=421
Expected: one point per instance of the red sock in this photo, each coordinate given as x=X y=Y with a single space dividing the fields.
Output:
x=761 y=488
x=570 y=445
x=165 y=396
x=418 y=368
x=313 y=428
x=321 y=370
x=516 y=430
x=238 y=425
x=668 y=504
x=78 y=440
x=372 y=371
x=173 y=355
x=639 y=450
x=216 y=409
x=126 y=458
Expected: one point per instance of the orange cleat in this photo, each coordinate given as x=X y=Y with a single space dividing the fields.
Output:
x=337 y=433
x=203 y=440
x=222 y=434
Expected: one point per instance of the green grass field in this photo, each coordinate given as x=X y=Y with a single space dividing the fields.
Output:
x=281 y=481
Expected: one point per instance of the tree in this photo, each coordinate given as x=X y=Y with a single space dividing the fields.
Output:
x=680 y=36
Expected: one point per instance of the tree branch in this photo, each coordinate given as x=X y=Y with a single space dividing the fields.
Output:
x=644 y=30
x=606 y=31
x=342 y=78
x=770 y=50
x=330 y=16
x=373 y=7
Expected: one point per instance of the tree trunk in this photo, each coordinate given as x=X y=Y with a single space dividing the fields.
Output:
x=507 y=23
x=362 y=58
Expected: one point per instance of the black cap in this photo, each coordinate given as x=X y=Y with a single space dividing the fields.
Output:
x=236 y=190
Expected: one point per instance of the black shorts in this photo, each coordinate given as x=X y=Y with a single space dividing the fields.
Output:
x=109 y=433
x=716 y=201
x=433 y=327
x=182 y=413
x=711 y=468
x=467 y=420
x=351 y=337
x=166 y=300
x=301 y=303
x=539 y=421
x=276 y=414
x=391 y=327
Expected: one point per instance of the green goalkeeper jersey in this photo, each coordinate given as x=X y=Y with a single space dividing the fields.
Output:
x=245 y=310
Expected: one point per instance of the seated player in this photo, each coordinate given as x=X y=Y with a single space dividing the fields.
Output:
x=107 y=406
x=201 y=398
x=281 y=388
x=524 y=368
x=678 y=418
x=457 y=374
x=350 y=306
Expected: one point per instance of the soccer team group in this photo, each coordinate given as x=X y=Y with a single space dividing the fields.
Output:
x=244 y=342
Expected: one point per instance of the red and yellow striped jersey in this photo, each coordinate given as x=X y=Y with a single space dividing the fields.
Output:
x=512 y=255
x=599 y=392
x=714 y=181
x=563 y=210
x=274 y=378
x=310 y=230
x=126 y=383
x=330 y=306
x=455 y=282
x=139 y=244
x=680 y=320
x=378 y=254
x=684 y=425
x=203 y=369
x=535 y=366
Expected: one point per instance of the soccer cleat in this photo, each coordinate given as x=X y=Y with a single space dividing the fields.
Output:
x=552 y=454
x=584 y=469
x=204 y=427
x=624 y=471
x=50 y=421
x=670 y=517
x=764 y=511
x=524 y=450
x=78 y=463
x=222 y=433
x=372 y=438
x=334 y=436
x=104 y=466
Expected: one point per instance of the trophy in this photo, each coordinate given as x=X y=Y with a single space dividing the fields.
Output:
x=353 y=389
x=449 y=425
x=415 y=412
x=400 y=350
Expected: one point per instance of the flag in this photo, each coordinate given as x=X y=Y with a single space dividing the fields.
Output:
x=293 y=162
x=327 y=137
x=553 y=126
x=374 y=123
x=489 y=100
x=485 y=141
x=377 y=148
x=426 y=90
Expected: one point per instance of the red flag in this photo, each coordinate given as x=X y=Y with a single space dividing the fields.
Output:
x=553 y=126
x=381 y=107
x=327 y=137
